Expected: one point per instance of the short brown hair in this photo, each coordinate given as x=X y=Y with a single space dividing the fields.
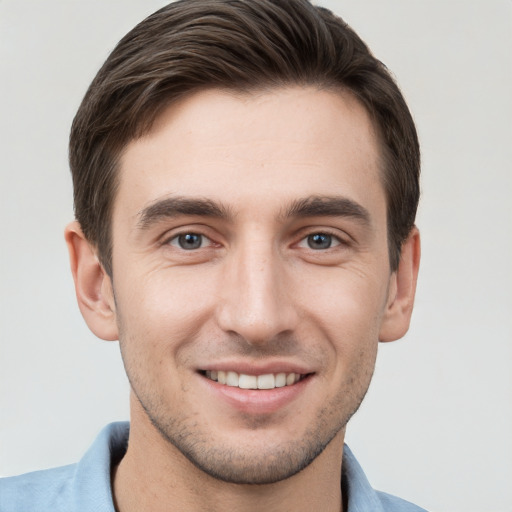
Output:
x=238 y=45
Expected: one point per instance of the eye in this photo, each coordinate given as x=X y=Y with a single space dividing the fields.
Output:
x=320 y=241
x=189 y=241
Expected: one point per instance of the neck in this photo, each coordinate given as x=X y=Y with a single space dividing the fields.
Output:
x=155 y=476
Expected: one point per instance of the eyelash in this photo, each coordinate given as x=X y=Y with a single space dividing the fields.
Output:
x=175 y=240
x=333 y=241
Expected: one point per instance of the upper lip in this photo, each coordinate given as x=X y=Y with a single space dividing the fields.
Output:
x=257 y=368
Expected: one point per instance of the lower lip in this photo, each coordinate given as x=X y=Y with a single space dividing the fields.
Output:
x=254 y=401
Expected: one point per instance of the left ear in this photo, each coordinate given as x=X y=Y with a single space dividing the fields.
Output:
x=402 y=288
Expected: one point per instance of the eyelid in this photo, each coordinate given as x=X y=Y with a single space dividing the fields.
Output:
x=205 y=241
x=342 y=238
x=189 y=229
x=336 y=241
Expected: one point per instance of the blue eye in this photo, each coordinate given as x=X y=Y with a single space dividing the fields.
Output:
x=188 y=241
x=319 y=241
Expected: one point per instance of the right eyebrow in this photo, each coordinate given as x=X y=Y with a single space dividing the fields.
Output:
x=171 y=207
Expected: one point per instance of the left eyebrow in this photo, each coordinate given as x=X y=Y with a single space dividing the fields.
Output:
x=327 y=206
x=171 y=207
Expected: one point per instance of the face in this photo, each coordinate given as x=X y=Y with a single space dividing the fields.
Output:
x=251 y=276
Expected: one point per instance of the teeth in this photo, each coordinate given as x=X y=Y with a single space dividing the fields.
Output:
x=280 y=380
x=232 y=379
x=247 y=381
x=244 y=381
x=267 y=381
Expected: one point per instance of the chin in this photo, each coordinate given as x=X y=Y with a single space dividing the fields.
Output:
x=249 y=465
x=256 y=456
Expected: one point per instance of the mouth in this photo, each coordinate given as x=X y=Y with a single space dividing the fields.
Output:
x=245 y=381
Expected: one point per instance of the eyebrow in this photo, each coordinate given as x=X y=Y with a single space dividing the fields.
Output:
x=327 y=206
x=175 y=206
x=312 y=206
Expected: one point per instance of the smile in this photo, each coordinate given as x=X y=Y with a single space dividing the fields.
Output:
x=244 y=381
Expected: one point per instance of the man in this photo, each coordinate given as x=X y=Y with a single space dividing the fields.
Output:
x=246 y=181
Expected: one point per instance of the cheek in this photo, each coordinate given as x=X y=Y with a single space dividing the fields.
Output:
x=163 y=309
x=347 y=312
x=347 y=300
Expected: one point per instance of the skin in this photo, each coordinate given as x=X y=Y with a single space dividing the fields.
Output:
x=259 y=294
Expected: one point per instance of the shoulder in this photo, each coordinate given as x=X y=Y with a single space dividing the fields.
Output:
x=81 y=487
x=40 y=491
x=394 y=504
x=360 y=495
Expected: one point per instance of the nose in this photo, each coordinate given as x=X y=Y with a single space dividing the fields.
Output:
x=257 y=299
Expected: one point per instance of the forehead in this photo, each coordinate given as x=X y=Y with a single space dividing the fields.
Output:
x=243 y=148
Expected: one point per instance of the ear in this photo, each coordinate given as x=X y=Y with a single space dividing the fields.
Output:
x=402 y=288
x=93 y=286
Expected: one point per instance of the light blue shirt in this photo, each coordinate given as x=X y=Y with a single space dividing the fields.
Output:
x=85 y=486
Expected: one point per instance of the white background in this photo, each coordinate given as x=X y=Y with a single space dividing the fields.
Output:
x=436 y=425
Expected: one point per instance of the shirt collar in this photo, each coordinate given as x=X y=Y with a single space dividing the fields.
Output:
x=358 y=493
x=92 y=491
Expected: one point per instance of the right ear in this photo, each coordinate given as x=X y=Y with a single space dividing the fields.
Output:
x=93 y=286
